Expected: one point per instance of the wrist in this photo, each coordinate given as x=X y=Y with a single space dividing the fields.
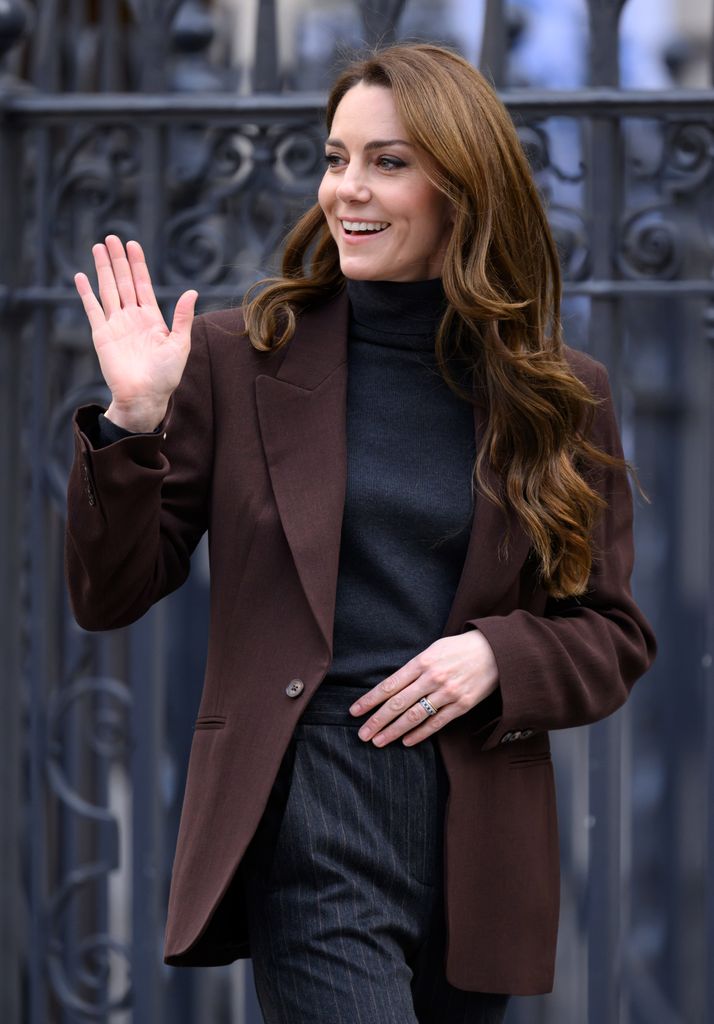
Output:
x=136 y=418
x=489 y=665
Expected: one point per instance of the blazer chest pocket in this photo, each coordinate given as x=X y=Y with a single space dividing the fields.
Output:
x=210 y=722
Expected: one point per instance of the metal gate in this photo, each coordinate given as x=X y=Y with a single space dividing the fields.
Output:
x=138 y=117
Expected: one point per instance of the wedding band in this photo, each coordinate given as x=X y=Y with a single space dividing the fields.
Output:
x=428 y=706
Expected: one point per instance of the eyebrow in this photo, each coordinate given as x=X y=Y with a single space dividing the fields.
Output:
x=377 y=144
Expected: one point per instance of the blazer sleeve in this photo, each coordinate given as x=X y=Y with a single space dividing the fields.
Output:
x=136 y=508
x=577 y=662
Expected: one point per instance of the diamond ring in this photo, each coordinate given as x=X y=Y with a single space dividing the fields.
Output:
x=428 y=706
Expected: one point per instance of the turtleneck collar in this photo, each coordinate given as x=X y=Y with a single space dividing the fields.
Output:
x=407 y=312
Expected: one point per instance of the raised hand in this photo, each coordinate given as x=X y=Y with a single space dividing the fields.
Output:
x=140 y=358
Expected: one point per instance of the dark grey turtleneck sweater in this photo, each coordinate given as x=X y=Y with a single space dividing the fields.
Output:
x=408 y=507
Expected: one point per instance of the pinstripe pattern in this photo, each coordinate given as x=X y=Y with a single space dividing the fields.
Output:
x=344 y=882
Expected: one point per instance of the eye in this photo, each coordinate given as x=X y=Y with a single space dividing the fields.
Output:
x=333 y=159
x=389 y=163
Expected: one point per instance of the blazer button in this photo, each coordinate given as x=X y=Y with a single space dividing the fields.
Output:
x=294 y=687
x=507 y=737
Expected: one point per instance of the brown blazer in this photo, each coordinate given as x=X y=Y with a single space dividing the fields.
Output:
x=253 y=450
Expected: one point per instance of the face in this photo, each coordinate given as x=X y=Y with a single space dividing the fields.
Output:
x=389 y=222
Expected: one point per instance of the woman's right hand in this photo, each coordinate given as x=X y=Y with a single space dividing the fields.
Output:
x=141 y=360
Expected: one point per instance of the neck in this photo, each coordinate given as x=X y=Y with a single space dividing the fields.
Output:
x=399 y=308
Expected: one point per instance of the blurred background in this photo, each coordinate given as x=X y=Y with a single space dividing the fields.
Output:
x=195 y=126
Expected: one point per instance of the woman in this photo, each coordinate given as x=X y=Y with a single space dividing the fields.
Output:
x=420 y=543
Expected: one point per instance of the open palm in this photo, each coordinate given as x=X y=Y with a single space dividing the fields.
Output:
x=140 y=358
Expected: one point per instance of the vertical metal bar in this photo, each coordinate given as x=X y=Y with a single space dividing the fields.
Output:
x=13 y=21
x=45 y=53
x=109 y=52
x=72 y=837
x=708 y=678
x=145 y=677
x=57 y=832
x=102 y=845
x=603 y=196
x=265 y=73
x=708 y=656
x=154 y=48
x=492 y=60
x=380 y=19
x=146 y=681
x=604 y=51
x=36 y=660
x=604 y=955
x=151 y=199
x=10 y=724
x=11 y=490
x=66 y=848
x=74 y=19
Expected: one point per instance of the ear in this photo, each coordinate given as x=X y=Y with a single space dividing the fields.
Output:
x=450 y=213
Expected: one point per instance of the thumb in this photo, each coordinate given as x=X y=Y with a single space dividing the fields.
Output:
x=183 y=313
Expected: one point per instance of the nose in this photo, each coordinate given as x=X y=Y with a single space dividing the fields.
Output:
x=352 y=186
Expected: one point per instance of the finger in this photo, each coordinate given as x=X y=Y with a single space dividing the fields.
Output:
x=140 y=274
x=432 y=724
x=183 y=314
x=414 y=717
x=105 y=276
x=122 y=270
x=405 y=675
x=403 y=706
x=95 y=313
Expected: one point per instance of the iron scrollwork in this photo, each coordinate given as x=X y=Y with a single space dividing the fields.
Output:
x=537 y=147
x=651 y=245
x=567 y=222
x=673 y=168
x=244 y=190
x=214 y=195
x=230 y=194
x=94 y=193
x=687 y=156
x=100 y=707
x=569 y=230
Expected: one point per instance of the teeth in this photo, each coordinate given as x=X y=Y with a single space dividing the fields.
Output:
x=363 y=225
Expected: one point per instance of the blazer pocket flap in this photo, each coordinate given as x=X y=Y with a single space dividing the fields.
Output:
x=210 y=722
x=527 y=759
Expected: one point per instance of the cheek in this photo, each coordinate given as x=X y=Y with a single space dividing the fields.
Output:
x=438 y=214
x=426 y=211
x=325 y=195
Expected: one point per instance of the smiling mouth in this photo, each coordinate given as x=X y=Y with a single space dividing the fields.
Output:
x=362 y=227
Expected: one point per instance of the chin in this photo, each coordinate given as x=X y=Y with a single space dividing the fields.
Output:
x=357 y=273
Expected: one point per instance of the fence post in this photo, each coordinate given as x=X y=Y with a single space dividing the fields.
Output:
x=13 y=20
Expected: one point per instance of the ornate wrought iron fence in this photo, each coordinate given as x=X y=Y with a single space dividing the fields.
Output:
x=134 y=117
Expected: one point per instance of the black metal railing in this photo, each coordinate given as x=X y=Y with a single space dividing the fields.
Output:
x=139 y=117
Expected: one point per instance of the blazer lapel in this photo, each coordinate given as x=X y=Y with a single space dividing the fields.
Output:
x=302 y=415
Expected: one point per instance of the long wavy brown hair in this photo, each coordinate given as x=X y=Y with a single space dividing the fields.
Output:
x=501 y=278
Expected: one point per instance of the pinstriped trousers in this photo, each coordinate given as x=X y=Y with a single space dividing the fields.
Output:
x=344 y=881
